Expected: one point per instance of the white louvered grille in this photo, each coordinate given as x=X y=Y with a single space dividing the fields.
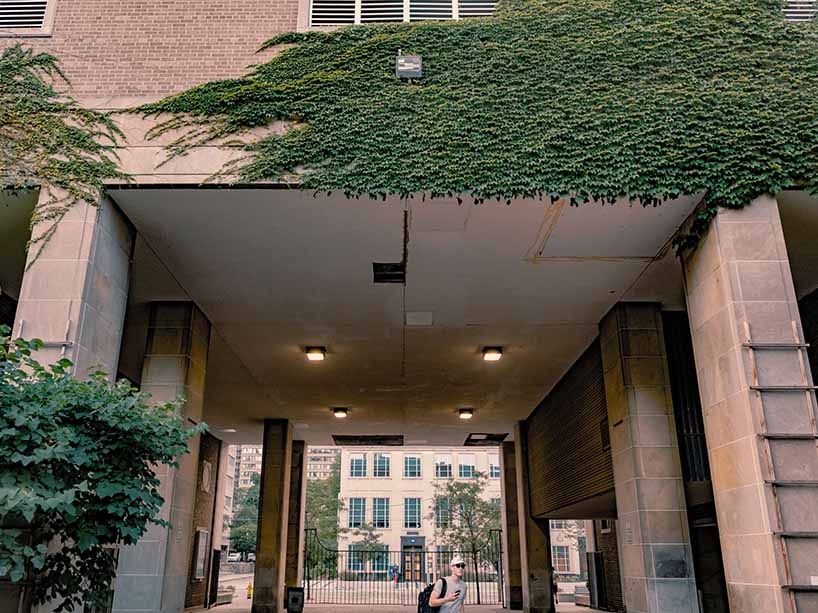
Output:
x=476 y=8
x=332 y=12
x=800 y=10
x=430 y=9
x=344 y=12
x=381 y=10
x=22 y=13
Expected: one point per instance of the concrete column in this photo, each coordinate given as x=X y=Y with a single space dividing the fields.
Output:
x=295 y=524
x=513 y=583
x=654 y=540
x=152 y=575
x=74 y=294
x=535 y=538
x=740 y=289
x=273 y=517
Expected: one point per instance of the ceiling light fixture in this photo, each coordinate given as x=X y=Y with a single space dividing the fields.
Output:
x=231 y=430
x=340 y=412
x=316 y=354
x=492 y=354
x=465 y=413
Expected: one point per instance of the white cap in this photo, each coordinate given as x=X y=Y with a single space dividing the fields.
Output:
x=457 y=560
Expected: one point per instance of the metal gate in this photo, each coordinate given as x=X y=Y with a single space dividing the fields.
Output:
x=384 y=577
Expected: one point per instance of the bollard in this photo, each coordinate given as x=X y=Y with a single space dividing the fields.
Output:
x=249 y=590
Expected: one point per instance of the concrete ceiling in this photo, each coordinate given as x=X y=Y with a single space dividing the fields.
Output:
x=276 y=270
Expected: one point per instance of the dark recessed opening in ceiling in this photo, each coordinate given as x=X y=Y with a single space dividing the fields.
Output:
x=364 y=440
x=482 y=439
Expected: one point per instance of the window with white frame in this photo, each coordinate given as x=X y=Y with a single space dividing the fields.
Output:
x=347 y=12
x=357 y=512
x=411 y=512
x=380 y=558
x=465 y=467
x=494 y=466
x=380 y=512
x=411 y=466
x=357 y=465
x=443 y=512
x=355 y=557
x=24 y=14
x=381 y=465
x=443 y=467
x=560 y=558
x=559 y=524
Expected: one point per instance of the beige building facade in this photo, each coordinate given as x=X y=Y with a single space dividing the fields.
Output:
x=671 y=398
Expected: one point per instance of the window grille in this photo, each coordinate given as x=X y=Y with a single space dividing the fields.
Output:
x=381 y=468
x=443 y=467
x=347 y=12
x=411 y=467
x=380 y=512
x=357 y=466
x=560 y=558
x=411 y=512
x=22 y=13
x=357 y=512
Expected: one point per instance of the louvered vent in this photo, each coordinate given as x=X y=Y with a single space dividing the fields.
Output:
x=22 y=13
x=476 y=8
x=430 y=9
x=331 y=12
x=381 y=10
x=800 y=10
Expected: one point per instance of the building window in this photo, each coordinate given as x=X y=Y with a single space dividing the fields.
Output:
x=411 y=467
x=494 y=467
x=381 y=465
x=355 y=557
x=443 y=512
x=380 y=558
x=560 y=558
x=605 y=526
x=558 y=524
x=345 y=12
x=443 y=467
x=411 y=512
x=465 y=468
x=357 y=465
x=380 y=512
x=228 y=502
x=357 y=512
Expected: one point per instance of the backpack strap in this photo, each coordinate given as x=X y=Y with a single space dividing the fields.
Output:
x=442 y=587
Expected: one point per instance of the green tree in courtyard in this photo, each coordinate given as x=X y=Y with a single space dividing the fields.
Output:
x=463 y=517
x=77 y=477
x=323 y=506
x=365 y=538
x=244 y=525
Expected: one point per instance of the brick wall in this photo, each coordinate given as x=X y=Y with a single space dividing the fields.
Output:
x=606 y=543
x=156 y=47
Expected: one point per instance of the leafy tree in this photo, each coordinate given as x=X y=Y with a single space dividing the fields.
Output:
x=462 y=515
x=323 y=505
x=366 y=538
x=244 y=525
x=77 y=477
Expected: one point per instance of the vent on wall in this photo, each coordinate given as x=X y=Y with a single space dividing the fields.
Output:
x=365 y=440
x=800 y=10
x=342 y=12
x=22 y=13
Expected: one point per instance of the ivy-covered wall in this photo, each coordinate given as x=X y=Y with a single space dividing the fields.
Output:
x=554 y=98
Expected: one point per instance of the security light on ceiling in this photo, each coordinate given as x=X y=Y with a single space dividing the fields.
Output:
x=316 y=354
x=465 y=413
x=230 y=430
x=492 y=354
x=340 y=412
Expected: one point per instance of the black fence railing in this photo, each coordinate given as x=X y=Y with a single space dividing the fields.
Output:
x=383 y=577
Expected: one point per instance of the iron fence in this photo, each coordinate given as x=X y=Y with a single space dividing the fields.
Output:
x=383 y=577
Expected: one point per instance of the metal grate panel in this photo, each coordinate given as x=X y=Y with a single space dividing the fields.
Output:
x=381 y=10
x=332 y=12
x=800 y=10
x=476 y=8
x=22 y=13
x=430 y=9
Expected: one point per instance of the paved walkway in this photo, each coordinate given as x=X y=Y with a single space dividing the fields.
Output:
x=242 y=606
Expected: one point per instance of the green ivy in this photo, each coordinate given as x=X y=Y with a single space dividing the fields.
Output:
x=575 y=99
x=77 y=461
x=49 y=141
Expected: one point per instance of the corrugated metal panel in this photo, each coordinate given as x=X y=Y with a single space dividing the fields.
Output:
x=332 y=12
x=430 y=9
x=22 y=13
x=567 y=460
x=381 y=10
x=475 y=8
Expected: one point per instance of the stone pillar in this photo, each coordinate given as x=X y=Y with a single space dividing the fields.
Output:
x=513 y=581
x=273 y=517
x=535 y=538
x=739 y=292
x=152 y=575
x=654 y=540
x=75 y=287
x=295 y=524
